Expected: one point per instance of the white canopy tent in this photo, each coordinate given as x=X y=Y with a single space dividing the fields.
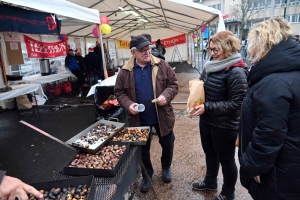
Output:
x=159 y=18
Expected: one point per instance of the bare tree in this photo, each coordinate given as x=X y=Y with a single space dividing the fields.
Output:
x=246 y=10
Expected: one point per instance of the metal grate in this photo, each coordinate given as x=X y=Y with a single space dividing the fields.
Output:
x=106 y=186
x=105 y=192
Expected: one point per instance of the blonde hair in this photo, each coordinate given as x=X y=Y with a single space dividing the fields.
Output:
x=226 y=41
x=265 y=35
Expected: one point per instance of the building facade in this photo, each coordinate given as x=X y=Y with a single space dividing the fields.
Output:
x=261 y=10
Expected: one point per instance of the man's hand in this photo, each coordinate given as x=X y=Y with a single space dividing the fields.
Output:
x=10 y=188
x=199 y=110
x=161 y=100
x=132 y=110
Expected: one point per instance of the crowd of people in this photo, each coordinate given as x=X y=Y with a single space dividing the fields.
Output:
x=256 y=108
x=88 y=69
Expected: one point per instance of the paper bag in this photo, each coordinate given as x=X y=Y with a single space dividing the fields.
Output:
x=197 y=96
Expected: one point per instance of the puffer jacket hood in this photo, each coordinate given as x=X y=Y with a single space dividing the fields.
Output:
x=273 y=62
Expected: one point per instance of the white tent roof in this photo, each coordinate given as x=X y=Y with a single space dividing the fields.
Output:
x=60 y=7
x=180 y=15
x=79 y=17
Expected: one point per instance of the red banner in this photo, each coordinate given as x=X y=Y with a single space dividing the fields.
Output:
x=38 y=49
x=169 y=42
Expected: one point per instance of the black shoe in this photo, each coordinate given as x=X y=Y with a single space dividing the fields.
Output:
x=224 y=197
x=144 y=187
x=202 y=186
x=167 y=175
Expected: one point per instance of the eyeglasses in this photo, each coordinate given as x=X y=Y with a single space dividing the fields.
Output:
x=143 y=50
x=215 y=50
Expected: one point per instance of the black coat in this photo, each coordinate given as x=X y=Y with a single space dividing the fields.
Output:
x=270 y=125
x=224 y=94
x=93 y=64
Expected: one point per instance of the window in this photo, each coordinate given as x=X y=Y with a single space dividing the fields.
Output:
x=277 y=3
x=298 y=2
x=292 y=18
x=268 y=3
x=292 y=2
x=218 y=6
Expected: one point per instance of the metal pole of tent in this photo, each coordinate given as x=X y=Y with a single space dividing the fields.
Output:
x=102 y=52
x=198 y=46
x=202 y=52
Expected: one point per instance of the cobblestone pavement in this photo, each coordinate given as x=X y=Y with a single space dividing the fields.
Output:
x=188 y=164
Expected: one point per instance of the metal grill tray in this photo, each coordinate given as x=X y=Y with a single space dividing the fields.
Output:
x=134 y=142
x=97 y=172
x=64 y=183
x=94 y=148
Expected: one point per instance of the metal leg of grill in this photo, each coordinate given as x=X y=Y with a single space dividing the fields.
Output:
x=148 y=179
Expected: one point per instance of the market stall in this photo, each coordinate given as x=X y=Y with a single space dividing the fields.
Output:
x=113 y=179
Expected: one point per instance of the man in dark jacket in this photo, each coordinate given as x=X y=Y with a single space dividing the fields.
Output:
x=73 y=66
x=160 y=47
x=11 y=188
x=142 y=79
x=98 y=50
x=79 y=59
x=94 y=67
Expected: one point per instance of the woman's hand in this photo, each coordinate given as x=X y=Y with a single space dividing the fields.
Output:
x=199 y=110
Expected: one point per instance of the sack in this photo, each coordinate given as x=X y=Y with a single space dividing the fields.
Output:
x=197 y=96
x=23 y=102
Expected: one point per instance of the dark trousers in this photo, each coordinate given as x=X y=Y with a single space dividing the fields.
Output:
x=204 y=54
x=80 y=76
x=219 y=147
x=167 y=145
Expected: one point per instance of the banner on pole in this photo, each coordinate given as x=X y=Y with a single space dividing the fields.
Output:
x=13 y=19
x=169 y=42
x=38 y=49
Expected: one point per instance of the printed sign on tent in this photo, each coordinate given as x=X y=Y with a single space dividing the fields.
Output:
x=123 y=44
x=167 y=42
x=13 y=19
x=38 y=49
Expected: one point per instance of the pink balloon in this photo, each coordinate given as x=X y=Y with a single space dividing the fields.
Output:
x=203 y=28
x=95 y=32
x=194 y=36
x=104 y=20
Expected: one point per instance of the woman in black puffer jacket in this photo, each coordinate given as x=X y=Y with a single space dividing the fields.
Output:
x=225 y=85
x=269 y=150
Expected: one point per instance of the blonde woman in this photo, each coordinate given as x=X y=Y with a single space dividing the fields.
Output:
x=225 y=86
x=269 y=151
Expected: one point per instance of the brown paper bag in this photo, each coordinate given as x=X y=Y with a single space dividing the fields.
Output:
x=197 y=96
